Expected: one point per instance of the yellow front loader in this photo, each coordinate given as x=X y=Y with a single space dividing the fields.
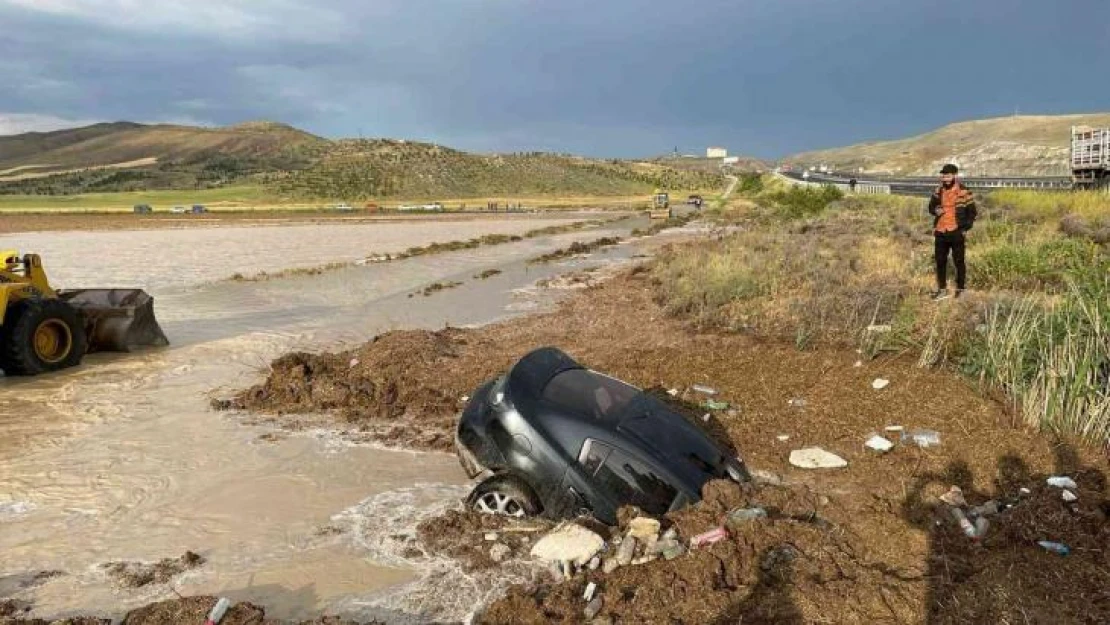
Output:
x=660 y=205
x=43 y=329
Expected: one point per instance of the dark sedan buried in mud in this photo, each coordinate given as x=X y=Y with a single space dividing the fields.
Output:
x=553 y=438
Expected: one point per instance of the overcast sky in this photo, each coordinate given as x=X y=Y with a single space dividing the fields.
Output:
x=596 y=77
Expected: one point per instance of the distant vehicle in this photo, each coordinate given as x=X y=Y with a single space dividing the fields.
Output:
x=1090 y=157
x=434 y=207
x=199 y=208
x=178 y=209
x=372 y=207
x=143 y=209
x=695 y=200
x=343 y=206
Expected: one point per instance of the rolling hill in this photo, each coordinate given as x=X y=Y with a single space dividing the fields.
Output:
x=287 y=162
x=1028 y=145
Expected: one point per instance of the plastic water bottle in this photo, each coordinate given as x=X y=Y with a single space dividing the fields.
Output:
x=1059 y=548
x=965 y=525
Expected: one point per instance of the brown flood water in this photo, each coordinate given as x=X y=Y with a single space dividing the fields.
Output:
x=122 y=459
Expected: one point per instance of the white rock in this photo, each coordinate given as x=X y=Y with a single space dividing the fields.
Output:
x=762 y=476
x=816 y=458
x=570 y=542
x=591 y=588
x=643 y=528
x=1069 y=496
x=783 y=437
x=1062 y=482
x=878 y=443
x=859 y=363
x=492 y=536
x=879 y=384
x=354 y=362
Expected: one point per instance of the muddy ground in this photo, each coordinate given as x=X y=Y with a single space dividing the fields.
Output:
x=884 y=549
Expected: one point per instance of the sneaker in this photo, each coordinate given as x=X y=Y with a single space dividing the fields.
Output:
x=940 y=294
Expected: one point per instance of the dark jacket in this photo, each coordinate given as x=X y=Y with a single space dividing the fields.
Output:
x=966 y=212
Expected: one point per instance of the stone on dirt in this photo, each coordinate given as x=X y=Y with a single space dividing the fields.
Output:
x=879 y=444
x=593 y=608
x=570 y=542
x=626 y=551
x=816 y=458
x=499 y=552
x=763 y=476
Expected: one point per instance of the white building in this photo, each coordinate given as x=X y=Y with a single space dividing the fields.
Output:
x=715 y=152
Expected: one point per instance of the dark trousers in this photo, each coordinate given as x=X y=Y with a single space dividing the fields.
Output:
x=944 y=242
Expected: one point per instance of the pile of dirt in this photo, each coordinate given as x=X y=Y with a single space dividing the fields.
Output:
x=479 y=541
x=139 y=574
x=806 y=562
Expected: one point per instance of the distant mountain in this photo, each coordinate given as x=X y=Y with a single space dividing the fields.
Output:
x=286 y=161
x=1028 y=145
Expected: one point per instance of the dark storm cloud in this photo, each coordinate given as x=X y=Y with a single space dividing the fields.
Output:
x=620 y=77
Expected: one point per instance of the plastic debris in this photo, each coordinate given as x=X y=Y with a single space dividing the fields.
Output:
x=1060 y=481
x=218 y=611
x=816 y=458
x=797 y=403
x=671 y=534
x=492 y=536
x=981 y=525
x=705 y=390
x=593 y=608
x=878 y=443
x=1059 y=548
x=954 y=497
x=1024 y=491
x=879 y=384
x=626 y=551
x=591 y=588
x=643 y=528
x=1069 y=496
x=464 y=398
x=714 y=535
x=878 y=328
x=986 y=509
x=354 y=362
x=922 y=438
x=673 y=392
x=783 y=438
x=705 y=417
x=741 y=516
x=895 y=429
x=965 y=525
x=713 y=404
x=672 y=549
x=594 y=563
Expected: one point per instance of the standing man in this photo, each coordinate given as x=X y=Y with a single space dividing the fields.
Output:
x=953 y=209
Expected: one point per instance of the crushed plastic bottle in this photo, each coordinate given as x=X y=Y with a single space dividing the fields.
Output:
x=1059 y=548
x=922 y=438
x=705 y=390
x=965 y=525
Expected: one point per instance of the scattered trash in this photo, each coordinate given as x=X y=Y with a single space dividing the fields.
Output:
x=713 y=404
x=705 y=417
x=626 y=551
x=1069 y=496
x=879 y=384
x=878 y=443
x=965 y=525
x=643 y=560
x=218 y=611
x=986 y=509
x=714 y=535
x=741 y=516
x=354 y=362
x=816 y=458
x=568 y=543
x=705 y=390
x=895 y=429
x=797 y=403
x=464 y=398
x=611 y=565
x=922 y=438
x=954 y=497
x=643 y=528
x=591 y=588
x=783 y=437
x=859 y=363
x=981 y=525
x=593 y=608
x=1024 y=491
x=492 y=536
x=1059 y=548
x=673 y=392
x=672 y=549
x=1062 y=482
x=595 y=563
x=878 y=328
x=671 y=534
x=499 y=552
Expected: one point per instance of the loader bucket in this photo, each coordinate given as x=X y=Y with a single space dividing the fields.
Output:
x=116 y=320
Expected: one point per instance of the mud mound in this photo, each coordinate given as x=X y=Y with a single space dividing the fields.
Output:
x=796 y=566
x=139 y=574
x=404 y=387
x=479 y=541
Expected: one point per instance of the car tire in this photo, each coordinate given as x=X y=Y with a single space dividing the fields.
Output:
x=506 y=495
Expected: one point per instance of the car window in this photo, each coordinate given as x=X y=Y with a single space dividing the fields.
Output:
x=627 y=479
x=589 y=393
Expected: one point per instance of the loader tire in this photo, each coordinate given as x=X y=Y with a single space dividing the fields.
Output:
x=39 y=336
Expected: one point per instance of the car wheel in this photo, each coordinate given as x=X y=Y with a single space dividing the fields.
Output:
x=506 y=495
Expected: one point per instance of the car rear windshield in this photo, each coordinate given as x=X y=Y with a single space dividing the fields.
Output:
x=589 y=393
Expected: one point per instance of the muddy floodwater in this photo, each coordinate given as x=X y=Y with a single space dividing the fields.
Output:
x=122 y=459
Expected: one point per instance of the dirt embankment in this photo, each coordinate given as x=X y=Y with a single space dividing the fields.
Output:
x=867 y=543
